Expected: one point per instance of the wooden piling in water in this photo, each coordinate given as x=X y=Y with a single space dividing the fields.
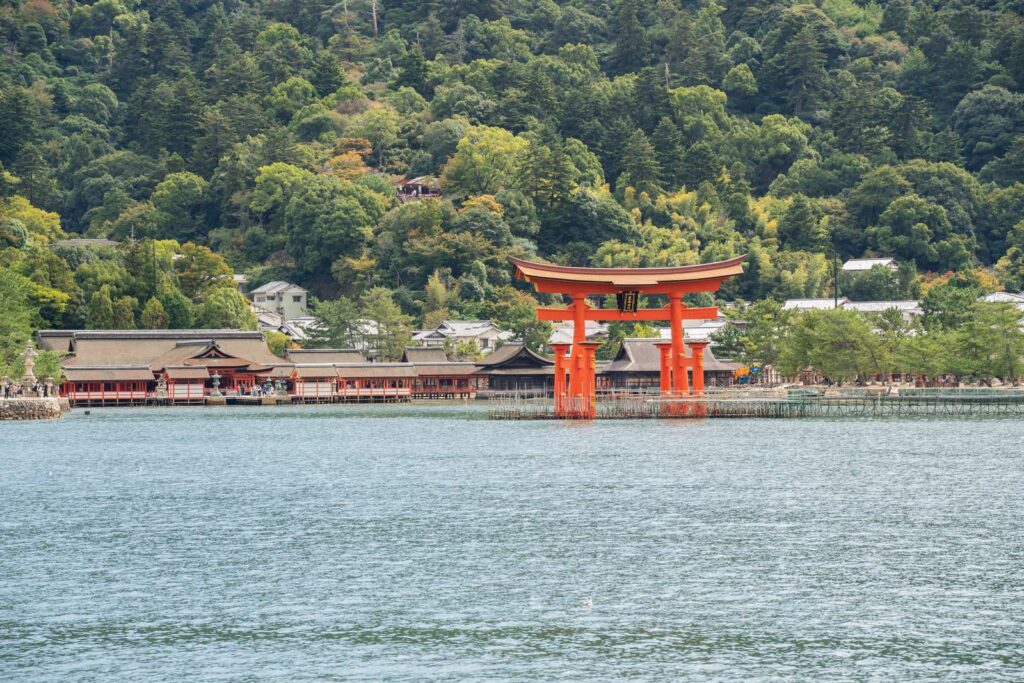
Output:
x=736 y=404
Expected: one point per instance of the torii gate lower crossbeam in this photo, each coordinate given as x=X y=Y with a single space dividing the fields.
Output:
x=579 y=399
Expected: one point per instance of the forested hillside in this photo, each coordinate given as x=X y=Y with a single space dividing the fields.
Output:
x=264 y=137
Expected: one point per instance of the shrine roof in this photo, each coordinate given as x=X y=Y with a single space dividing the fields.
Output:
x=627 y=277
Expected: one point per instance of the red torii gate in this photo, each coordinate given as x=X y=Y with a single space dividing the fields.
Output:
x=578 y=399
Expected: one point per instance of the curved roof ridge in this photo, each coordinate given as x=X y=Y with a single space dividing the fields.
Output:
x=658 y=270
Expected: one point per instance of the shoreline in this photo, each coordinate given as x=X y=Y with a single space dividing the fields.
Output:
x=31 y=408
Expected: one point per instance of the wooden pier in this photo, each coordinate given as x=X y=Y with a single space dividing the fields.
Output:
x=799 y=404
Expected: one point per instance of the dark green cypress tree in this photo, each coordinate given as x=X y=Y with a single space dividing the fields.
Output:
x=327 y=75
x=640 y=163
x=700 y=164
x=668 y=148
x=632 y=50
x=413 y=71
x=805 y=62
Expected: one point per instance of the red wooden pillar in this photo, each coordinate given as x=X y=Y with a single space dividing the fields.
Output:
x=698 y=366
x=576 y=359
x=588 y=398
x=680 y=382
x=697 y=363
x=560 y=368
x=665 y=348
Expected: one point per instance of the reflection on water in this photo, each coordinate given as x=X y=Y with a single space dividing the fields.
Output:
x=328 y=543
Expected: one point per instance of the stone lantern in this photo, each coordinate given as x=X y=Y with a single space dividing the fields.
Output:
x=28 y=380
x=216 y=385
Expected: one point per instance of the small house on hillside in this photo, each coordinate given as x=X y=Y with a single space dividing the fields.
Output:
x=420 y=187
x=282 y=298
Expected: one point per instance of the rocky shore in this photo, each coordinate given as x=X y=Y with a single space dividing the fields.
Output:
x=33 y=408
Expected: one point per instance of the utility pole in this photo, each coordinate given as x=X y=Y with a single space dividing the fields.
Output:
x=152 y=244
x=835 y=277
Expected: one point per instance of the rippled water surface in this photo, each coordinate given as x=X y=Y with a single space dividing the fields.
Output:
x=427 y=543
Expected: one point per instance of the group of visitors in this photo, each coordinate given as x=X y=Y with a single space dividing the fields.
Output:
x=13 y=390
x=256 y=390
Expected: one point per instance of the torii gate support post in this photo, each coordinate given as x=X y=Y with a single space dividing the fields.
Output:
x=680 y=383
x=577 y=359
x=588 y=379
x=697 y=363
x=665 y=349
x=560 y=369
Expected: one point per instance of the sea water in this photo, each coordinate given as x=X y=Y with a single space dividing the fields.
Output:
x=420 y=543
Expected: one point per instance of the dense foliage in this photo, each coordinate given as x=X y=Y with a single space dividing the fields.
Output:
x=262 y=137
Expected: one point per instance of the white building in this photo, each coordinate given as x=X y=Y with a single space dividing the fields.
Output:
x=563 y=332
x=702 y=331
x=813 y=304
x=281 y=297
x=908 y=309
x=484 y=333
x=855 y=265
x=1003 y=298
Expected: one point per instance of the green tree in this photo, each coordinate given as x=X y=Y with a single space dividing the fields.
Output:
x=640 y=164
x=990 y=343
x=765 y=335
x=632 y=49
x=740 y=81
x=390 y=329
x=948 y=305
x=486 y=161
x=100 y=312
x=180 y=201
x=226 y=309
x=668 y=149
x=379 y=126
x=412 y=71
x=16 y=316
x=805 y=63
x=124 y=313
x=838 y=343
x=338 y=324
x=925 y=355
x=327 y=75
x=277 y=342
x=154 y=317
x=800 y=227
x=199 y=270
x=181 y=313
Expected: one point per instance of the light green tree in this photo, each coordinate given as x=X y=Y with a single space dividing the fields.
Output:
x=226 y=309
x=990 y=343
x=124 y=312
x=379 y=126
x=337 y=324
x=180 y=201
x=390 y=329
x=154 y=317
x=486 y=161
x=100 y=311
